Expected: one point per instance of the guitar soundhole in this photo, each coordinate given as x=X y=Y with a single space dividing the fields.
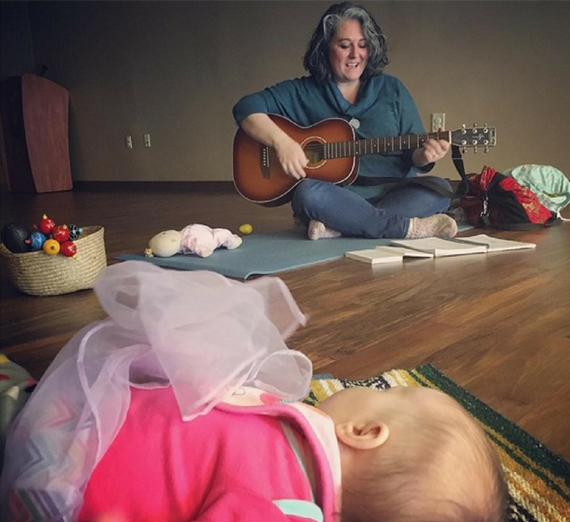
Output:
x=314 y=152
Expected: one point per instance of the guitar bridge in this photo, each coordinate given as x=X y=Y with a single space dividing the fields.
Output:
x=264 y=161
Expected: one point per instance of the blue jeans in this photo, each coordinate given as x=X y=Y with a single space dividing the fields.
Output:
x=344 y=211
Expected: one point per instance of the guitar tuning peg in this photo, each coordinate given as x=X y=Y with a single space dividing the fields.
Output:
x=464 y=150
x=463 y=129
x=475 y=150
x=486 y=149
x=474 y=125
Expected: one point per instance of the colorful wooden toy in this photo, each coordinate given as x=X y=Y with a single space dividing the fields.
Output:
x=60 y=233
x=46 y=225
x=51 y=247
x=14 y=237
x=36 y=240
x=68 y=249
x=74 y=232
x=245 y=229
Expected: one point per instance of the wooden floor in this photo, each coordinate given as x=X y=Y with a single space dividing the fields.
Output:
x=498 y=324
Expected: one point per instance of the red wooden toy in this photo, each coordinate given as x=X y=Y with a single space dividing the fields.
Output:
x=46 y=225
x=68 y=249
x=60 y=233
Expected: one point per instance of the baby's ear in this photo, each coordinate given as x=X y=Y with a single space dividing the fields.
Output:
x=364 y=435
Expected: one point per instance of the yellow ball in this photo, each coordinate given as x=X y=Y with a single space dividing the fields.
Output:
x=246 y=228
x=51 y=247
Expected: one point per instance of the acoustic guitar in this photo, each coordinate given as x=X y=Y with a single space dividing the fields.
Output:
x=333 y=151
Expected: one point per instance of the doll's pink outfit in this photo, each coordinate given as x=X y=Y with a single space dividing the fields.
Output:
x=196 y=335
x=203 y=240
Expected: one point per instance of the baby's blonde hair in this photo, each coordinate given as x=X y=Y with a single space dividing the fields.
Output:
x=446 y=470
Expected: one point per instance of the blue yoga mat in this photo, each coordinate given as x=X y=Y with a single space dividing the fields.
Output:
x=262 y=254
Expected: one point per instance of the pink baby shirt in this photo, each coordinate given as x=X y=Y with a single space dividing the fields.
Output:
x=267 y=462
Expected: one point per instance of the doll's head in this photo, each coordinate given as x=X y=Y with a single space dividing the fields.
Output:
x=412 y=454
x=164 y=244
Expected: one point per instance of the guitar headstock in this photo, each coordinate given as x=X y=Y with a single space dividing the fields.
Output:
x=475 y=137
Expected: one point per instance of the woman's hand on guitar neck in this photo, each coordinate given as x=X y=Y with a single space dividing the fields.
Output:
x=431 y=151
x=289 y=153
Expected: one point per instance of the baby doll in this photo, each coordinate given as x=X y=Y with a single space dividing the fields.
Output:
x=183 y=405
x=193 y=239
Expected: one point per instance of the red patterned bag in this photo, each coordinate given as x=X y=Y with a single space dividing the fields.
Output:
x=498 y=201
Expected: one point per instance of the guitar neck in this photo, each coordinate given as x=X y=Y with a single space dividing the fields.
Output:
x=344 y=149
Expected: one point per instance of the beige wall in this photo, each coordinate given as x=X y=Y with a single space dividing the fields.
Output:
x=175 y=69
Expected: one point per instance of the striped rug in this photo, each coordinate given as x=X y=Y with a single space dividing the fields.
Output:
x=538 y=479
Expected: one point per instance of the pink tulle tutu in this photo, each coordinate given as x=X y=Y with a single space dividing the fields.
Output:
x=199 y=332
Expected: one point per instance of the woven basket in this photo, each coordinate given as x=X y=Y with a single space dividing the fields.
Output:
x=37 y=273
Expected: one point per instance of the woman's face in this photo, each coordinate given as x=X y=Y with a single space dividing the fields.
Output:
x=348 y=53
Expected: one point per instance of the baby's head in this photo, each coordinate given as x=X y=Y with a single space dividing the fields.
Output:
x=414 y=454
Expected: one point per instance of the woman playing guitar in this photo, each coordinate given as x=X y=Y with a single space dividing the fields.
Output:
x=345 y=60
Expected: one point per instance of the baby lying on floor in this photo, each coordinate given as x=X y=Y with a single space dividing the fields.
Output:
x=184 y=406
x=404 y=454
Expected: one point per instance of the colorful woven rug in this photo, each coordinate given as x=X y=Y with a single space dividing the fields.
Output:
x=538 y=479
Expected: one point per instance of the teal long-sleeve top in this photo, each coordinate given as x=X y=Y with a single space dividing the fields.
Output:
x=383 y=108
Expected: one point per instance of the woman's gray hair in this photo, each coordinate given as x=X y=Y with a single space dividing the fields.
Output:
x=316 y=60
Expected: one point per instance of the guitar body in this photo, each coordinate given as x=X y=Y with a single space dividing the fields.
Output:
x=258 y=175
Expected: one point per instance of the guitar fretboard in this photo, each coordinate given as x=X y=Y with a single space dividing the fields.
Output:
x=344 y=149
